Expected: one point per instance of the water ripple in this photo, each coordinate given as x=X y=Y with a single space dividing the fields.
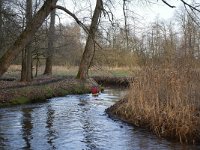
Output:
x=74 y=122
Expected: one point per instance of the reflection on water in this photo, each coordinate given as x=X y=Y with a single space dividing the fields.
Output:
x=74 y=122
x=27 y=127
x=51 y=135
x=87 y=125
x=2 y=137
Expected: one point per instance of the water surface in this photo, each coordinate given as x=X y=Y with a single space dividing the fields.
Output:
x=74 y=122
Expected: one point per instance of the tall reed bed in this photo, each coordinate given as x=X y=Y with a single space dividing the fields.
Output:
x=167 y=101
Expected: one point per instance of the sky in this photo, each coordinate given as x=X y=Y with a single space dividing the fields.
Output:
x=148 y=12
x=158 y=10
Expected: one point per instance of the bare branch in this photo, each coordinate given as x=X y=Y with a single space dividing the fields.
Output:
x=193 y=19
x=168 y=4
x=77 y=20
x=73 y=16
x=191 y=7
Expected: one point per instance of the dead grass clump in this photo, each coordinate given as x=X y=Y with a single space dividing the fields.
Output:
x=167 y=101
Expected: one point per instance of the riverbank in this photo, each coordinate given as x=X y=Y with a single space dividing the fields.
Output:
x=113 y=81
x=40 y=89
x=14 y=92
x=165 y=102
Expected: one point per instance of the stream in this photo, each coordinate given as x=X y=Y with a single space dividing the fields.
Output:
x=75 y=122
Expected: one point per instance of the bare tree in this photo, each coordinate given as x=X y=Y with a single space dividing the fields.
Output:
x=50 y=51
x=90 y=43
x=29 y=51
x=26 y=36
x=26 y=73
x=1 y=24
x=125 y=22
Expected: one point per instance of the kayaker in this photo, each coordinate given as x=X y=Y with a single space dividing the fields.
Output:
x=95 y=90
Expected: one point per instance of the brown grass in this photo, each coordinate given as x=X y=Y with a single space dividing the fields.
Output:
x=15 y=71
x=167 y=101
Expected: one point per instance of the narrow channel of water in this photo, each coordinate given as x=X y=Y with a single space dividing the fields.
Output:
x=74 y=122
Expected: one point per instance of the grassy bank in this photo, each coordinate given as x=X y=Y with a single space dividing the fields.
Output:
x=166 y=101
x=41 y=92
x=62 y=82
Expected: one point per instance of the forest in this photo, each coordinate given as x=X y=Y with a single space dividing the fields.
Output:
x=51 y=48
x=118 y=43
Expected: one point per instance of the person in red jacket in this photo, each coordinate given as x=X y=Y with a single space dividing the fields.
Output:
x=95 y=90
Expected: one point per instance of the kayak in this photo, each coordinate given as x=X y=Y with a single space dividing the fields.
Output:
x=96 y=94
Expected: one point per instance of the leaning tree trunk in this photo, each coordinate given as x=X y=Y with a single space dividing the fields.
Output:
x=50 y=50
x=26 y=73
x=26 y=36
x=90 y=43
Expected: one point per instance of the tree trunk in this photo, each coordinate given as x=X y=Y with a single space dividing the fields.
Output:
x=26 y=36
x=26 y=73
x=1 y=24
x=50 y=50
x=24 y=65
x=29 y=12
x=90 y=43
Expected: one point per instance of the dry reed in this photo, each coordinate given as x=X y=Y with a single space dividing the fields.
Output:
x=167 y=101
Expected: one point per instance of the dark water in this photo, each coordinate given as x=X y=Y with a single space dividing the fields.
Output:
x=74 y=122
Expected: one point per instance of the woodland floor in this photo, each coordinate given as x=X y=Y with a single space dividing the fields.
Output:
x=8 y=83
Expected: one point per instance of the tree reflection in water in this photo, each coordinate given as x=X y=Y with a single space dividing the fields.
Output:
x=51 y=132
x=87 y=124
x=2 y=136
x=27 y=126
